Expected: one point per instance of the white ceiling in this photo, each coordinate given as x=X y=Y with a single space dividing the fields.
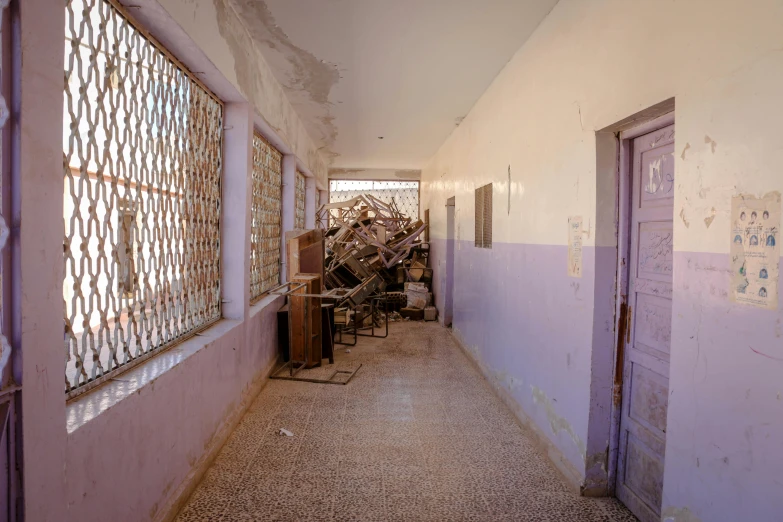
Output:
x=406 y=70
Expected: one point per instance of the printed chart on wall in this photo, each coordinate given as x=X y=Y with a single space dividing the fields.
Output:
x=755 y=249
x=575 y=246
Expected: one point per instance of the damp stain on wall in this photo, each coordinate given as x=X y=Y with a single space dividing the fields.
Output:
x=306 y=79
x=675 y=514
x=556 y=422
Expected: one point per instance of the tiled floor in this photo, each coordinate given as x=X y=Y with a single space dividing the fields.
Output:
x=416 y=435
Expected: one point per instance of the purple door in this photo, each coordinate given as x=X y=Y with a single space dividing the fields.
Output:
x=646 y=361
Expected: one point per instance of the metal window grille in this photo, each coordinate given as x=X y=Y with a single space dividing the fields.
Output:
x=404 y=194
x=142 y=143
x=299 y=216
x=483 y=217
x=266 y=217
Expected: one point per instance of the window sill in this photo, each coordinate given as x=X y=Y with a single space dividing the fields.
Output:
x=89 y=406
x=265 y=301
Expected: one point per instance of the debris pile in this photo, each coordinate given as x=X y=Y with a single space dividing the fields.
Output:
x=373 y=249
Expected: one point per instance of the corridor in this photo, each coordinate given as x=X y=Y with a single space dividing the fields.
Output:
x=418 y=434
x=588 y=193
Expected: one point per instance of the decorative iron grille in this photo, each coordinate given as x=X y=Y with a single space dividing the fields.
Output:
x=299 y=216
x=142 y=143
x=265 y=218
x=404 y=194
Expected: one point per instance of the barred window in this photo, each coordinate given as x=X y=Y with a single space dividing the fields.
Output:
x=404 y=194
x=142 y=143
x=265 y=217
x=299 y=216
x=483 y=217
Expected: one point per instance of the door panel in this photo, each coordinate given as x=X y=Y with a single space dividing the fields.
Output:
x=646 y=366
x=644 y=472
x=653 y=324
x=655 y=251
x=647 y=391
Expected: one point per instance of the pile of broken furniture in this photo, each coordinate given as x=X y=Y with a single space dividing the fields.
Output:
x=364 y=266
x=375 y=250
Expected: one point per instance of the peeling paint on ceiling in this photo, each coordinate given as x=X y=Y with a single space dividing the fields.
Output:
x=377 y=83
x=298 y=70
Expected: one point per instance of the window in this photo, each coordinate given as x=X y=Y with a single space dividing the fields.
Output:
x=483 y=228
x=404 y=194
x=142 y=142
x=265 y=218
x=299 y=216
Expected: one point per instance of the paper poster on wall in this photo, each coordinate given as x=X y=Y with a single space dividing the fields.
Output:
x=755 y=249
x=575 y=246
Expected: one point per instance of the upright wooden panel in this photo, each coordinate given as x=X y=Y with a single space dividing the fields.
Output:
x=306 y=334
x=305 y=252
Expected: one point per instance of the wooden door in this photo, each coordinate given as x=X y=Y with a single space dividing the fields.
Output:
x=646 y=360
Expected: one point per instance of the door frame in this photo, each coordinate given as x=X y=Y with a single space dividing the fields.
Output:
x=624 y=211
x=448 y=290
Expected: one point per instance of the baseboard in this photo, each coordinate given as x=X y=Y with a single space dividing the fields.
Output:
x=569 y=473
x=181 y=495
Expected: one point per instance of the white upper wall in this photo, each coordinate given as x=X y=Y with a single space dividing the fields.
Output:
x=592 y=63
x=375 y=174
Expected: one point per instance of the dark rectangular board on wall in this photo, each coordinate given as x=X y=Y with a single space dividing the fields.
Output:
x=483 y=217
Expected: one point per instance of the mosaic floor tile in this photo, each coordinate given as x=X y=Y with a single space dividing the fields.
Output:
x=416 y=435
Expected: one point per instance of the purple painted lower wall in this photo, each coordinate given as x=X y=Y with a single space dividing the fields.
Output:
x=546 y=340
x=132 y=461
x=531 y=328
x=724 y=451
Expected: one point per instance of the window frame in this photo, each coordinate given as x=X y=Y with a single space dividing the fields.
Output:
x=186 y=193
x=257 y=295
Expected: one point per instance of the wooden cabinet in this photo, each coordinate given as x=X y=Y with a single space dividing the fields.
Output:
x=305 y=321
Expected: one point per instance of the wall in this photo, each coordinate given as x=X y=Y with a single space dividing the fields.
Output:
x=214 y=30
x=37 y=251
x=132 y=448
x=375 y=174
x=134 y=459
x=544 y=339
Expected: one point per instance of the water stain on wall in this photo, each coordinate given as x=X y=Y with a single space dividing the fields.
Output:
x=674 y=514
x=684 y=150
x=556 y=422
x=709 y=219
x=712 y=143
x=684 y=219
x=243 y=22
